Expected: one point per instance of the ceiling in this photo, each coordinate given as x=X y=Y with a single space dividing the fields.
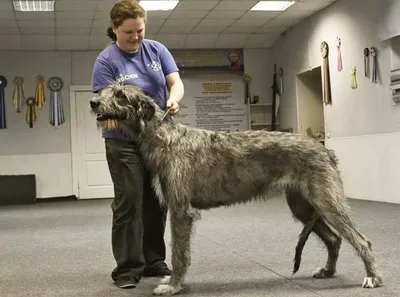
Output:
x=81 y=25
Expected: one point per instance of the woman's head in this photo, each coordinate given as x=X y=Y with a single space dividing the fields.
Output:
x=128 y=20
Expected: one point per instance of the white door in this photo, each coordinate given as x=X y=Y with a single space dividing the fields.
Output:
x=93 y=177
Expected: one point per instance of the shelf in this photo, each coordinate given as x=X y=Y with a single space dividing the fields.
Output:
x=261 y=104
x=263 y=124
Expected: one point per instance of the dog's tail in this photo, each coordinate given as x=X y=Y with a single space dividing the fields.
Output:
x=303 y=237
x=333 y=158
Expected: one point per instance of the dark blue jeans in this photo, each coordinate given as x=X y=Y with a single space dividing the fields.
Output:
x=138 y=223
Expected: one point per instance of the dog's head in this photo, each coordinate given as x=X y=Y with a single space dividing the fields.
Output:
x=125 y=104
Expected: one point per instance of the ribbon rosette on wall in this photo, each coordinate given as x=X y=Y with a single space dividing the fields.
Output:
x=18 y=94
x=39 y=92
x=3 y=85
x=56 y=109
x=30 y=111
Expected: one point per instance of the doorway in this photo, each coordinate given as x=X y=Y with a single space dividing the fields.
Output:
x=310 y=104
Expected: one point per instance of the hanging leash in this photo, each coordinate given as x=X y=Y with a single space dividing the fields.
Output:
x=165 y=114
x=366 y=61
x=354 y=77
x=374 y=61
x=339 y=54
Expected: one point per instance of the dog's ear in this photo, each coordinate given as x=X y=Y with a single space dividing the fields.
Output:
x=148 y=111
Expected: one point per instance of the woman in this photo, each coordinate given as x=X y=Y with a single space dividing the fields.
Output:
x=138 y=221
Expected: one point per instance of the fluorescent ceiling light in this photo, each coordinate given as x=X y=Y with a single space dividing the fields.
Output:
x=273 y=5
x=158 y=5
x=33 y=5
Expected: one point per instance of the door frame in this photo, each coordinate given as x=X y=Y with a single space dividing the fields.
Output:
x=73 y=89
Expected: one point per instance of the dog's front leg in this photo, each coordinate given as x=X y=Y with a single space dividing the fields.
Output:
x=181 y=228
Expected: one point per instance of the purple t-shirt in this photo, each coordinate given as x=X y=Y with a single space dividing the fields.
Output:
x=146 y=69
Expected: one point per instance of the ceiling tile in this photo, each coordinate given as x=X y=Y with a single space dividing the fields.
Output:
x=261 y=40
x=72 y=42
x=8 y=24
x=236 y=30
x=154 y=23
x=208 y=30
x=73 y=31
x=201 y=40
x=38 y=42
x=181 y=14
x=73 y=23
x=181 y=23
x=38 y=15
x=36 y=23
x=220 y=14
x=158 y=14
x=281 y=23
x=249 y=23
x=98 y=41
x=211 y=23
x=308 y=6
x=265 y=15
x=82 y=15
x=172 y=41
x=196 y=5
x=36 y=30
x=6 y=6
x=9 y=42
x=9 y=31
x=235 y=5
x=278 y=29
x=6 y=16
x=73 y=5
x=172 y=30
x=231 y=40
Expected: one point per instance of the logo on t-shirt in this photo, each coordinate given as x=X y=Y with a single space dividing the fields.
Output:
x=155 y=65
x=121 y=78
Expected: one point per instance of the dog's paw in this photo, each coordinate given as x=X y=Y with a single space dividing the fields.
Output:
x=165 y=280
x=372 y=282
x=323 y=273
x=166 y=290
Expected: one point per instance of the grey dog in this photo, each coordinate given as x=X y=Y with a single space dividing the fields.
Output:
x=195 y=169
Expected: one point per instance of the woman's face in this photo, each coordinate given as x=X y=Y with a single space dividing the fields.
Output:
x=130 y=34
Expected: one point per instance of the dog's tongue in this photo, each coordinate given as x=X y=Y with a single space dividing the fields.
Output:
x=109 y=124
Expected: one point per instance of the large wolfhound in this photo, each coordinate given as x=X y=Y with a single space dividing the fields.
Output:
x=198 y=169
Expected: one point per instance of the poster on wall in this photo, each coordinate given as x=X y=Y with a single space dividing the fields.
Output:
x=213 y=89
x=213 y=102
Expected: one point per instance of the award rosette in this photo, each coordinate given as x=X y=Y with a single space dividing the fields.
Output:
x=39 y=92
x=30 y=111
x=56 y=109
x=18 y=94
x=3 y=85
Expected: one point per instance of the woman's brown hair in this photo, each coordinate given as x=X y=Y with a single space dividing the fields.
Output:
x=123 y=10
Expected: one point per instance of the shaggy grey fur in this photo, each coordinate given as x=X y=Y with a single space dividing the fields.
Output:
x=196 y=169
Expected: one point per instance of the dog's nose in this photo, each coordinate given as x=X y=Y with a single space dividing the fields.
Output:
x=94 y=104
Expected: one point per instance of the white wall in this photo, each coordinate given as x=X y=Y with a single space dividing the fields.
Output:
x=361 y=121
x=46 y=151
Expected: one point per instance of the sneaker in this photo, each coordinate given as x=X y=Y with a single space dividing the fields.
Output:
x=159 y=271
x=125 y=282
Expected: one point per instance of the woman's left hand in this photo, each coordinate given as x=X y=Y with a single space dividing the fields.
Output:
x=173 y=105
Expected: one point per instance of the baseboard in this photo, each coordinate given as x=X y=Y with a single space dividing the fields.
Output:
x=56 y=199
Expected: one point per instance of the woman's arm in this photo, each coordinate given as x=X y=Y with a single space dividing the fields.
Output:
x=176 y=91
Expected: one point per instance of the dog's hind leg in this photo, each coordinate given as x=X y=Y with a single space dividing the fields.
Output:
x=327 y=197
x=303 y=211
x=181 y=230
x=303 y=237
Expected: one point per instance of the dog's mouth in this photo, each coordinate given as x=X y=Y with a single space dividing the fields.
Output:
x=101 y=117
